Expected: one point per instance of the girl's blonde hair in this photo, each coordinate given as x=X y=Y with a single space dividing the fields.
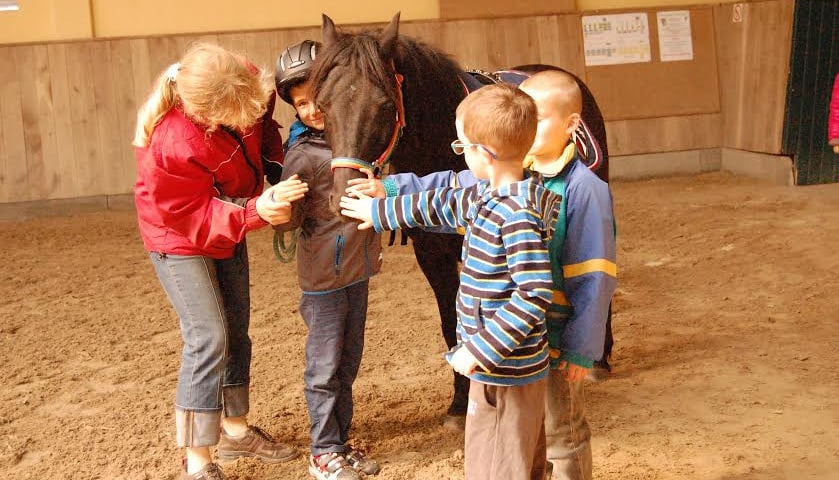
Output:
x=213 y=86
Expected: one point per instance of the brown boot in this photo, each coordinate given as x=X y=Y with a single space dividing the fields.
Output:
x=254 y=443
x=211 y=471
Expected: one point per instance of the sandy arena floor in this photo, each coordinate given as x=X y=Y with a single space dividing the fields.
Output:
x=725 y=359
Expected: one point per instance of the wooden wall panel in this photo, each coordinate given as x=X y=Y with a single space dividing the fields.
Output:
x=25 y=60
x=68 y=110
x=48 y=178
x=754 y=65
x=659 y=89
x=14 y=177
x=63 y=165
x=125 y=106
x=89 y=167
x=665 y=134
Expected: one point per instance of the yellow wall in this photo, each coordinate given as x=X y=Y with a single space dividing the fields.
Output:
x=45 y=20
x=155 y=17
x=48 y=20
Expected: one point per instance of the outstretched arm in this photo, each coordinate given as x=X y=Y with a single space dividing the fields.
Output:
x=442 y=207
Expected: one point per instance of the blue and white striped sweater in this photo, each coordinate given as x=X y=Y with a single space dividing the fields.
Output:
x=505 y=282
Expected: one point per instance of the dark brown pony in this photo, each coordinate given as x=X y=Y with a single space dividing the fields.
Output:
x=369 y=85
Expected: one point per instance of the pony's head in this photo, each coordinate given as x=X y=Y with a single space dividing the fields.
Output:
x=358 y=91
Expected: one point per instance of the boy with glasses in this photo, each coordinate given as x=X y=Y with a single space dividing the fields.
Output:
x=505 y=282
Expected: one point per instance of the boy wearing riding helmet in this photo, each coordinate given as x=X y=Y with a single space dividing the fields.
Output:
x=335 y=262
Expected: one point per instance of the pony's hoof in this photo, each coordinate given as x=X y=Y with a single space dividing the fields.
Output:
x=455 y=422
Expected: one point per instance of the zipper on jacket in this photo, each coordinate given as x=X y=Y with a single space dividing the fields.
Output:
x=339 y=251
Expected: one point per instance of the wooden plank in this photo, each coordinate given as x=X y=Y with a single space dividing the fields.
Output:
x=84 y=114
x=465 y=41
x=259 y=51
x=426 y=32
x=461 y=9
x=34 y=164
x=13 y=176
x=47 y=186
x=515 y=42
x=141 y=70
x=125 y=106
x=666 y=134
x=753 y=60
x=65 y=171
x=235 y=42
x=108 y=152
x=162 y=51
x=769 y=37
x=554 y=46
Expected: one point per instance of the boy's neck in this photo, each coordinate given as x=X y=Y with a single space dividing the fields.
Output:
x=505 y=174
x=553 y=163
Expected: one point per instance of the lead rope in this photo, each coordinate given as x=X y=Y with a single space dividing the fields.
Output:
x=285 y=251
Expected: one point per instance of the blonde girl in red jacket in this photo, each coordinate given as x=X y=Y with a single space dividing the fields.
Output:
x=204 y=140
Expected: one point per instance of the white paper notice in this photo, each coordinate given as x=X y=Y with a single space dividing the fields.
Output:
x=615 y=39
x=674 y=41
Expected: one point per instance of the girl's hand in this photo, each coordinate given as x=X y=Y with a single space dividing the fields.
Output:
x=289 y=190
x=274 y=205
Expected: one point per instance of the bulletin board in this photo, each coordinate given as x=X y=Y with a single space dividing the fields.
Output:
x=661 y=89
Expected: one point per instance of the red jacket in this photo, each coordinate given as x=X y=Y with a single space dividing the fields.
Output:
x=833 y=118
x=196 y=193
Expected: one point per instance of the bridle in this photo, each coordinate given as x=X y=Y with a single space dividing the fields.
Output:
x=377 y=166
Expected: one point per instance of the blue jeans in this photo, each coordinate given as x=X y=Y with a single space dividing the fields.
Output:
x=212 y=300
x=334 y=346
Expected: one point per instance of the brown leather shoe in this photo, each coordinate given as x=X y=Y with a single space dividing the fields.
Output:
x=210 y=472
x=254 y=443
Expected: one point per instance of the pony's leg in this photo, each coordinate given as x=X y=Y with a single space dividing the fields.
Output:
x=438 y=256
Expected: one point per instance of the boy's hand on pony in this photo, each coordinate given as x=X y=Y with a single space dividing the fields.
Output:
x=274 y=205
x=358 y=208
x=370 y=186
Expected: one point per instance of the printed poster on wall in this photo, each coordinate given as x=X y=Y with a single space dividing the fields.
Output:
x=616 y=39
x=674 y=41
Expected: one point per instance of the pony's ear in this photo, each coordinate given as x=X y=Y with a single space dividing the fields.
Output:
x=387 y=39
x=330 y=35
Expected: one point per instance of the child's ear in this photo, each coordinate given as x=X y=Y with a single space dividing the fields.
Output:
x=573 y=123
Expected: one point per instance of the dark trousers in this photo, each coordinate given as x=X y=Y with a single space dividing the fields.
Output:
x=334 y=346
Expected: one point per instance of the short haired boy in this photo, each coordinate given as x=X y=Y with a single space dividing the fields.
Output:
x=505 y=281
x=583 y=262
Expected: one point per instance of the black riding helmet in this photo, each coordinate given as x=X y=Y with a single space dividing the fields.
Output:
x=293 y=66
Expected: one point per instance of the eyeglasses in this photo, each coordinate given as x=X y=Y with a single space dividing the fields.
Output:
x=458 y=147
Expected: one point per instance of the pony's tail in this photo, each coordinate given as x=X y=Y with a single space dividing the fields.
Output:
x=163 y=97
